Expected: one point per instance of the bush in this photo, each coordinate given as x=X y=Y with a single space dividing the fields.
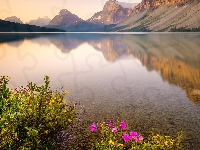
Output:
x=32 y=117
x=113 y=136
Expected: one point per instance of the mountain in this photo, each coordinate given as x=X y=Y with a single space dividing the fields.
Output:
x=14 y=19
x=127 y=5
x=72 y=23
x=40 y=21
x=64 y=19
x=147 y=16
x=112 y=13
x=169 y=15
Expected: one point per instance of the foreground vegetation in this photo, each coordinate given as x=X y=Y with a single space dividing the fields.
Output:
x=33 y=116
x=113 y=136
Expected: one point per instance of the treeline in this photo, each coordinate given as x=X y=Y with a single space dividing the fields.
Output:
x=185 y=30
x=7 y=26
x=84 y=26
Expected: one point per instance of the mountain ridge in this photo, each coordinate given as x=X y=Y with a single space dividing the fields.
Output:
x=112 y=13
x=14 y=19
x=64 y=18
x=166 y=17
x=127 y=5
x=43 y=21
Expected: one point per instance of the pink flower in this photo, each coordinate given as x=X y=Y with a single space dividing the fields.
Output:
x=136 y=139
x=136 y=136
x=93 y=127
x=111 y=123
x=133 y=134
x=126 y=138
x=140 y=137
x=114 y=129
x=123 y=125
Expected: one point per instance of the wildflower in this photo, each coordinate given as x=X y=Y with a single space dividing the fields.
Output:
x=155 y=137
x=166 y=143
x=123 y=125
x=69 y=120
x=133 y=134
x=52 y=101
x=111 y=142
x=111 y=123
x=136 y=136
x=140 y=137
x=120 y=145
x=167 y=136
x=114 y=129
x=126 y=138
x=136 y=139
x=50 y=104
x=93 y=127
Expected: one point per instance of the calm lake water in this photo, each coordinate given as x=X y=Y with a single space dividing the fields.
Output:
x=147 y=80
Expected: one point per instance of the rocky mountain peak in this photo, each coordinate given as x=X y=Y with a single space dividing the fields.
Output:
x=112 y=13
x=14 y=19
x=64 y=18
x=111 y=1
x=64 y=12
x=127 y=5
x=41 y=21
x=111 y=5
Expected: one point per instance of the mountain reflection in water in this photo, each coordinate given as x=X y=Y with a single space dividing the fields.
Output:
x=175 y=57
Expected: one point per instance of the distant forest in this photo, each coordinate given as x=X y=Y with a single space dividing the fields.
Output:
x=7 y=26
x=185 y=30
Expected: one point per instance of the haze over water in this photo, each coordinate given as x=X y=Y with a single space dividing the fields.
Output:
x=147 y=80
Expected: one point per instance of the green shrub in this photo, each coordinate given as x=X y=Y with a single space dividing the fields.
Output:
x=32 y=117
x=157 y=141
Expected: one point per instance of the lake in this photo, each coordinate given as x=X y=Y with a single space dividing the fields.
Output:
x=147 y=80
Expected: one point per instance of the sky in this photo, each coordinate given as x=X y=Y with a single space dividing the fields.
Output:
x=28 y=10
